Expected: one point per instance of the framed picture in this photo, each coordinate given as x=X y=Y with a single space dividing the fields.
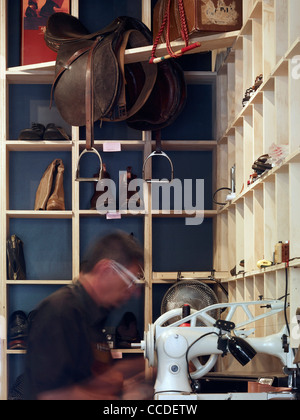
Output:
x=35 y=14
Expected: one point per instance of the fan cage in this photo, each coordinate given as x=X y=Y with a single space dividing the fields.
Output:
x=195 y=293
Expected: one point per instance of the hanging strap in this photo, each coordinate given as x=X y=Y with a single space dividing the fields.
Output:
x=89 y=109
x=183 y=30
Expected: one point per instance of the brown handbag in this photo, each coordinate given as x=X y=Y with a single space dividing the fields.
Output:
x=51 y=183
x=202 y=17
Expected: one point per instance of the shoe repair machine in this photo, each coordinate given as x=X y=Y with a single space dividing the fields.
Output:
x=173 y=347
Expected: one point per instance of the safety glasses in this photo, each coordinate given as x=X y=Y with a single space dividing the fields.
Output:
x=127 y=276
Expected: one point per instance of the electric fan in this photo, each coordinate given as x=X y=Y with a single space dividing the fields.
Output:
x=194 y=293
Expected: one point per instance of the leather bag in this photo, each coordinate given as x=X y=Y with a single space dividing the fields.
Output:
x=16 y=267
x=51 y=183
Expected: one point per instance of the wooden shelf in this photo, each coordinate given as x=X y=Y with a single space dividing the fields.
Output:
x=43 y=73
x=265 y=212
x=38 y=282
x=116 y=353
x=292 y=158
x=262 y=271
x=38 y=146
x=126 y=145
x=171 y=277
x=33 y=214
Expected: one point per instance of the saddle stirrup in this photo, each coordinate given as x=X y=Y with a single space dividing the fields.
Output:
x=92 y=179
x=89 y=104
x=158 y=152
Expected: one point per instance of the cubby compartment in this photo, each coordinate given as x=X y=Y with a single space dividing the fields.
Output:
x=26 y=169
x=116 y=165
x=47 y=245
x=215 y=140
x=196 y=240
x=28 y=104
x=262 y=213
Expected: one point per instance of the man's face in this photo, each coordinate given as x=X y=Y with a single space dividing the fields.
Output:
x=120 y=283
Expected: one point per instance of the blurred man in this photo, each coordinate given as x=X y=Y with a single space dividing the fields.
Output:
x=66 y=356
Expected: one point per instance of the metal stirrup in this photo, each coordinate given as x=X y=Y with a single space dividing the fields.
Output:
x=78 y=177
x=162 y=154
x=158 y=152
x=89 y=101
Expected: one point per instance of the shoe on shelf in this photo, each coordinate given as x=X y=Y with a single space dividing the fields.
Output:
x=53 y=132
x=17 y=330
x=36 y=132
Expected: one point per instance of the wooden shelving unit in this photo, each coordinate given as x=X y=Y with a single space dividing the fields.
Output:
x=42 y=74
x=267 y=211
x=246 y=228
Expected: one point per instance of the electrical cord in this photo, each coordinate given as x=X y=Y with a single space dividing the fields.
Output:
x=285 y=307
x=191 y=345
x=220 y=189
x=285 y=300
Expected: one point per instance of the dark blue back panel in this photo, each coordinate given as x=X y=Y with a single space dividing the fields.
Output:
x=48 y=242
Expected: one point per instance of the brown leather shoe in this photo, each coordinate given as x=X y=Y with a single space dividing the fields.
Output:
x=54 y=132
x=36 y=132
x=97 y=194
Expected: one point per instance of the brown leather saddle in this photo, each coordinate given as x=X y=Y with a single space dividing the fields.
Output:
x=92 y=81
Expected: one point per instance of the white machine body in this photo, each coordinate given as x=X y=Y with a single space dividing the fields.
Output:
x=173 y=348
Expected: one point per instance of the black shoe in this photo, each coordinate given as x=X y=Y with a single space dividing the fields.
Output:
x=36 y=132
x=17 y=330
x=53 y=132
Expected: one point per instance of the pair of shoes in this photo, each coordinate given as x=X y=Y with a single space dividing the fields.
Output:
x=261 y=164
x=251 y=91
x=18 y=327
x=248 y=94
x=258 y=82
x=125 y=198
x=97 y=193
x=40 y=132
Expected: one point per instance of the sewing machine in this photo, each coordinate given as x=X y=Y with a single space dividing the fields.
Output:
x=173 y=348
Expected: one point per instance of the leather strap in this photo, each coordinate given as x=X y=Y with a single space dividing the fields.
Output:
x=158 y=148
x=89 y=97
x=150 y=79
x=71 y=60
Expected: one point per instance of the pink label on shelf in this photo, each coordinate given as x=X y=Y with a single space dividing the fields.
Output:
x=112 y=146
x=112 y=216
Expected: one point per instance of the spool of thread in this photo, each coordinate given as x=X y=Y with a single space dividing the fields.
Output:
x=278 y=253
x=186 y=311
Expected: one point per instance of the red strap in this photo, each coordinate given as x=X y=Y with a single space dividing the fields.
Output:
x=166 y=21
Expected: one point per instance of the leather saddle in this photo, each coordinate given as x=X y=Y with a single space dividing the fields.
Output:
x=92 y=81
x=97 y=59
x=148 y=96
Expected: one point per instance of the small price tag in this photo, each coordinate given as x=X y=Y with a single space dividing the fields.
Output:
x=113 y=216
x=112 y=146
